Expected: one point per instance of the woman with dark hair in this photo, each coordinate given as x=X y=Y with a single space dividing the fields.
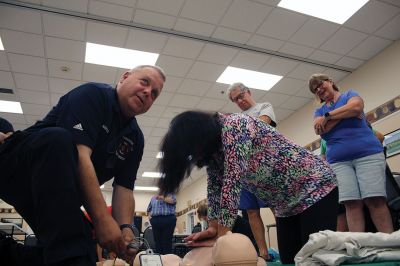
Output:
x=244 y=152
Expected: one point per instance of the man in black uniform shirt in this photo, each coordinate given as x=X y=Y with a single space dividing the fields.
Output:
x=52 y=168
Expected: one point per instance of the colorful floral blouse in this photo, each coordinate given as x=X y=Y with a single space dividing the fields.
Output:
x=279 y=172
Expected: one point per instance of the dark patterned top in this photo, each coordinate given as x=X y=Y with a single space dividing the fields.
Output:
x=276 y=170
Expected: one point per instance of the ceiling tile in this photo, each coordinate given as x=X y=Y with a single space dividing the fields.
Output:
x=265 y=42
x=146 y=41
x=305 y=93
x=209 y=11
x=4 y=61
x=194 y=27
x=73 y=5
x=62 y=85
x=370 y=47
x=392 y=2
x=281 y=114
x=217 y=54
x=154 y=19
x=109 y=10
x=380 y=12
x=162 y=123
x=106 y=34
x=258 y=94
x=184 y=101
x=22 y=43
x=158 y=132
x=27 y=64
x=171 y=112
x=6 y=80
x=336 y=75
x=324 y=57
x=305 y=70
x=218 y=91
x=296 y=49
x=294 y=103
x=146 y=121
x=130 y=3
x=10 y=18
x=35 y=109
x=74 y=72
x=183 y=47
x=210 y=105
x=205 y=71
x=54 y=98
x=194 y=87
x=171 y=7
x=289 y=22
x=64 y=27
x=31 y=82
x=230 y=108
x=172 y=84
x=32 y=119
x=156 y=110
x=36 y=97
x=391 y=30
x=245 y=15
x=349 y=62
x=279 y=66
x=249 y=60
x=314 y=32
x=273 y=3
x=288 y=86
x=63 y=49
x=274 y=98
x=231 y=35
x=343 y=41
x=173 y=65
x=13 y=118
x=98 y=73
x=164 y=98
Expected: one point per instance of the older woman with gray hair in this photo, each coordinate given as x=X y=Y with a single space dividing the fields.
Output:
x=354 y=153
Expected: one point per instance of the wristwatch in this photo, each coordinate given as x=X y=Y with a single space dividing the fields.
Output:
x=327 y=115
x=122 y=226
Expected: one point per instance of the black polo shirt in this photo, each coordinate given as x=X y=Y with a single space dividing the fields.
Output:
x=92 y=114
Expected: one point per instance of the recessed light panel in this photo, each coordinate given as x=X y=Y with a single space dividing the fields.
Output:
x=338 y=11
x=152 y=174
x=1 y=45
x=139 y=188
x=117 y=57
x=250 y=78
x=10 y=107
x=160 y=155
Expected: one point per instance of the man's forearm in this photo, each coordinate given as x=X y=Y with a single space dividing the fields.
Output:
x=123 y=204
x=93 y=200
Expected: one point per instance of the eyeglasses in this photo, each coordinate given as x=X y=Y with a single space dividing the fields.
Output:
x=318 y=85
x=239 y=97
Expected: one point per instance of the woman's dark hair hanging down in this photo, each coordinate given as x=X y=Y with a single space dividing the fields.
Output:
x=192 y=138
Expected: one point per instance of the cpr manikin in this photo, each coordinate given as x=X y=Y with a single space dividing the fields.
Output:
x=230 y=249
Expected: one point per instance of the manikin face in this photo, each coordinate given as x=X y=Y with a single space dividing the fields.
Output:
x=138 y=90
x=242 y=99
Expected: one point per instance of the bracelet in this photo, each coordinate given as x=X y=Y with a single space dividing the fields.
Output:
x=122 y=226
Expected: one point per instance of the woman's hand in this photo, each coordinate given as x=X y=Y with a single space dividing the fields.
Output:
x=319 y=125
x=205 y=238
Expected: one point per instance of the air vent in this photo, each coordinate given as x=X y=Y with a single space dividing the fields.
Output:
x=8 y=91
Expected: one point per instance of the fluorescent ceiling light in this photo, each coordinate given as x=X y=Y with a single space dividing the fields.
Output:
x=152 y=174
x=1 y=45
x=102 y=186
x=10 y=107
x=117 y=57
x=160 y=155
x=146 y=188
x=337 y=11
x=252 y=79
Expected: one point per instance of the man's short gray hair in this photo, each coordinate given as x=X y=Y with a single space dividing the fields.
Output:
x=157 y=68
x=235 y=86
